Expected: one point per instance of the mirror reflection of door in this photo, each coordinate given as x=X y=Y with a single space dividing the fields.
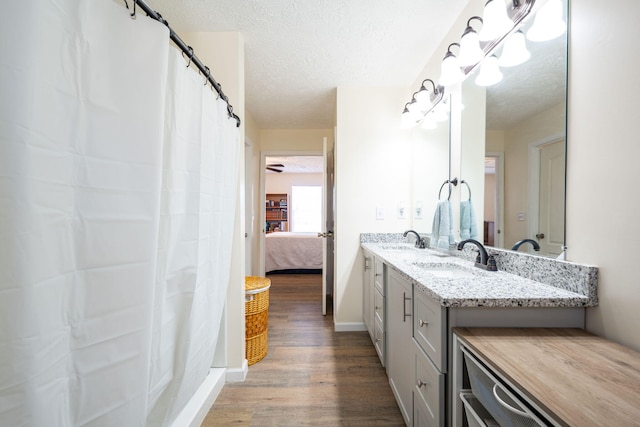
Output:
x=550 y=234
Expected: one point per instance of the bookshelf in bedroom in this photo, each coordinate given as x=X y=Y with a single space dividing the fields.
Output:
x=277 y=208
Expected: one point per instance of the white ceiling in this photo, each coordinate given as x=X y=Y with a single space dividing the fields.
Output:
x=298 y=52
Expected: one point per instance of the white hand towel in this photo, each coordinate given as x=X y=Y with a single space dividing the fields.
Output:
x=468 y=227
x=442 y=228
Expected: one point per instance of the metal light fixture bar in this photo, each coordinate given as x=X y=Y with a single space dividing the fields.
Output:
x=518 y=12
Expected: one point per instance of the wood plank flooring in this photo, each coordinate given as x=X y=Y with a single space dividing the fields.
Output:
x=311 y=374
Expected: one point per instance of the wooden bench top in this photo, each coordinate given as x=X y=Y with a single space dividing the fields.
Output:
x=577 y=378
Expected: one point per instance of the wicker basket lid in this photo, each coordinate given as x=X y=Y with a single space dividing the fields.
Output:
x=255 y=284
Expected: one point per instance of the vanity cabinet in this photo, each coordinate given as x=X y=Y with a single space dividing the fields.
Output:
x=374 y=305
x=368 y=293
x=415 y=333
x=400 y=358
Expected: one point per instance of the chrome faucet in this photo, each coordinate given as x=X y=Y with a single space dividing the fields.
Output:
x=484 y=260
x=536 y=246
x=420 y=242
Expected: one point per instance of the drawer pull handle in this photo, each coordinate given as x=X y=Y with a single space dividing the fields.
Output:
x=421 y=383
x=378 y=308
x=423 y=323
x=506 y=405
x=404 y=307
x=378 y=340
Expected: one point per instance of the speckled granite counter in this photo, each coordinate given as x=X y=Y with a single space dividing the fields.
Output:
x=558 y=284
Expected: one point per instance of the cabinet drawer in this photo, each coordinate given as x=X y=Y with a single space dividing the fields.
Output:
x=428 y=393
x=429 y=328
x=505 y=407
x=378 y=275
x=378 y=307
x=379 y=341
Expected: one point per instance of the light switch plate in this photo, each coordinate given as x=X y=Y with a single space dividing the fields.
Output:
x=402 y=211
x=379 y=212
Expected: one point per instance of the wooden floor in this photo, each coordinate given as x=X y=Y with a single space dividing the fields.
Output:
x=311 y=374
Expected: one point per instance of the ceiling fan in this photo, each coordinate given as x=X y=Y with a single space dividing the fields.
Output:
x=277 y=167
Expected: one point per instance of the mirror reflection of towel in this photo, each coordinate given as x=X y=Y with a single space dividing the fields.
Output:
x=442 y=229
x=468 y=227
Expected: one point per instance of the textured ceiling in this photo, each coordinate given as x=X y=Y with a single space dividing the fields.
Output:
x=298 y=52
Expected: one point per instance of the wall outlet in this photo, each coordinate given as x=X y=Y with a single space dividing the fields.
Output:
x=379 y=212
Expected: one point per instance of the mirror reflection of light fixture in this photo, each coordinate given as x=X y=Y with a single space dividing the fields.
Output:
x=441 y=112
x=495 y=21
x=428 y=122
x=470 y=51
x=450 y=72
x=548 y=23
x=514 y=51
x=490 y=73
x=422 y=103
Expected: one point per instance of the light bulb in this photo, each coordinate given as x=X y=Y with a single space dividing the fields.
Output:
x=423 y=98
x=470 y=51
x=514 y=51
x=496 y=22
x=407 y=119
x=548 y=23
x=450 y=72
x=490 y=73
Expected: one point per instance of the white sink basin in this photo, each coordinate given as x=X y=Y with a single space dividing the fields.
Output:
x=446 y=271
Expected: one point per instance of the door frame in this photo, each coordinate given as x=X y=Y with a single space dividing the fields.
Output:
x=263 y=193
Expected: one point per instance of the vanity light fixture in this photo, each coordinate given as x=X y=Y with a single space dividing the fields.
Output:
x=423 y=97
x=548 y=23
x=496 y=21
x=490 y=73
x=514 y=50
x=450 y=72
x=470 y=51
x=407 y=118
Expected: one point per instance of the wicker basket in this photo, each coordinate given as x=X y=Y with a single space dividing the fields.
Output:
x=256 y=317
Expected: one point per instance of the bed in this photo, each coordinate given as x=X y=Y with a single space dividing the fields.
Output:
x=292 y=251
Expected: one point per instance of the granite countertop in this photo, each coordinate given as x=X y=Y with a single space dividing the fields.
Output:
x=470 y=286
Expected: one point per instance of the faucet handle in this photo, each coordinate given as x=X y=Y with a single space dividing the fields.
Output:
x=491 y=263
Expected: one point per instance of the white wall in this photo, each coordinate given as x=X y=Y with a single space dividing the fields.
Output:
x=373 y=169
x=603 y=151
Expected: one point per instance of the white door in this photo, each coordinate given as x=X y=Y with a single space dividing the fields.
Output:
x=550 y=235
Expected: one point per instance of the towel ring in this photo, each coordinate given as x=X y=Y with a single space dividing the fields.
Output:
x=468 y=188
x=454 y=181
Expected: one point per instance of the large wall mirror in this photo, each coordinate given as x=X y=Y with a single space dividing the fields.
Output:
x=518 y=178
x=430 y=163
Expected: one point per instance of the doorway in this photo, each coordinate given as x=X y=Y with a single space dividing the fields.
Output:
x=281 y=173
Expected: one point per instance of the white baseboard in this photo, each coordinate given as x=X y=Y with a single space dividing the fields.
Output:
x=349 y=327
x=237 y=375
x=198 y=406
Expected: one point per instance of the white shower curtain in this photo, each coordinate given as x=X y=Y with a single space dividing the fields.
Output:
x=196 y=225
x=115 y=212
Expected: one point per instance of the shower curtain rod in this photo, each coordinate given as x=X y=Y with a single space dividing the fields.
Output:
x=189 y=51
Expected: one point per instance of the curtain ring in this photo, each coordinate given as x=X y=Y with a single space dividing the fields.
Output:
x=133 y=14
x=191 y=52
x=206 y=77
